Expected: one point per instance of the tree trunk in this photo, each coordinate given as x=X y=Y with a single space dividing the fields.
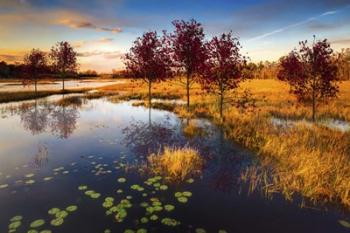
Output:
x=150 y=94
x=63 y=82
x=35 y=84
x=221 y=105
x=188 y=90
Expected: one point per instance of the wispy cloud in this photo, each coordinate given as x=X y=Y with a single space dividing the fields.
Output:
x=105 y=54
x=279 y=30
x=77 y=24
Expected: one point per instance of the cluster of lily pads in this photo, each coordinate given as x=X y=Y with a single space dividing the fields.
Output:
x=59 y=215
x=100 y=169
x=183 y=196
x=90 y=193
x=15 y=223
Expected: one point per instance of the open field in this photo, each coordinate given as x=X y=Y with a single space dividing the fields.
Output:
x=311 y=160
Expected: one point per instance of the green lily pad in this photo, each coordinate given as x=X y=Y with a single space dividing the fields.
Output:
x=178 y=194
x=141 y=230
x=72 y=208
x=32 y=231
x=37 y=223
x=109 y=199
x=222 y=231
x=57 y=222
x=182 y=199
x=163 y=187
x=53 y=211
x=187 y=194
x=16 y=218
x=200 y=230
x=144 y=220
x=169 y=207
x=170 y=222
x=29 y=175
x=121 y=180
x=190 y=180
x=48 y=179
x=129 y=231
x=62 y=214
x=153 y=217
x=120 y=191
x=82 y=187
x=344 y=223
x=46 y=231
x=15 y=225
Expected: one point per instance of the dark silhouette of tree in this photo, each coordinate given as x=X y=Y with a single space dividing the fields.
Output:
x=64 y=59
x=149 y=60
x=311 y=72
x=35 y=63
x=187 y=43
x=222 y=71
x=34 y=118
x=64 y=120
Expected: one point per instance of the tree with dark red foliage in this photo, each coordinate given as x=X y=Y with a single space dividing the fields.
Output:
x=311 y=72
x=149 y=60
x=35 y=63
x=64 y=59
x=222 y=71
x=187 y=43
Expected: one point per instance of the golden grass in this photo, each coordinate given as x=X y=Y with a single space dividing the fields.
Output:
x=176 y=163
x=311 y=161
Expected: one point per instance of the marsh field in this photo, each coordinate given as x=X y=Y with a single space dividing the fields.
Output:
x=102 y=161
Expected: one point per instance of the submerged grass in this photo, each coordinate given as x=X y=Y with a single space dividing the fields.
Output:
x=176 y=163
x=310 y=161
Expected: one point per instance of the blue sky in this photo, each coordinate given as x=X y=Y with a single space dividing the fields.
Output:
x=102 y=30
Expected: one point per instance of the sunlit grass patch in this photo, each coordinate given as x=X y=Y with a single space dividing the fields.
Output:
x=176 y=163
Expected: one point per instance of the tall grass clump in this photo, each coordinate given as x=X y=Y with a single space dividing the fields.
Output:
x=176 y=163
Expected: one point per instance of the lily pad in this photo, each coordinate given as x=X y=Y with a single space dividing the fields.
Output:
x=16 y=218
x=82 y=187
x=182 y=199
x=144 y=220
x=37 y=223
x=2 y=186
x=141 y=230
x=121 y=180
x=72 y=208
x=163 y=187
x=200 y=230
x=169 y=207
x=46 y=231
x=53 y=211
x=57 y=222
x=344 y=223
x=170 y=222
x=15 y=225
x=153 y=217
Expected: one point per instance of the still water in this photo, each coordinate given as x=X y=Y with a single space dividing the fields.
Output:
x=57 y=85
x=55 y=156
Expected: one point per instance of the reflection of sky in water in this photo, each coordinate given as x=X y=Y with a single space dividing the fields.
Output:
x=105 y=130
x=17 y=86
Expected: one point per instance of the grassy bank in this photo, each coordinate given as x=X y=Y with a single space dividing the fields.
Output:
x=310 y=160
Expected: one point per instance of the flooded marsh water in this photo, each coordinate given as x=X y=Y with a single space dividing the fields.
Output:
x=80 y=168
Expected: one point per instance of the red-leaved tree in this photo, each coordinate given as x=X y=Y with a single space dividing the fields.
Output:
x=222 y=71
x=149 y=60
x=311 y=72
x=35 y=63
x=187 y=43
x=64 y=59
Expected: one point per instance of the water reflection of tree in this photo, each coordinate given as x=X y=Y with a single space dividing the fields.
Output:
x=145 y=138
x=37 y=117
x=34 y=117
x=41 y=157
x=64 y=120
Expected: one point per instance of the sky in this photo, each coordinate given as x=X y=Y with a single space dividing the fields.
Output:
x=101 y=31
